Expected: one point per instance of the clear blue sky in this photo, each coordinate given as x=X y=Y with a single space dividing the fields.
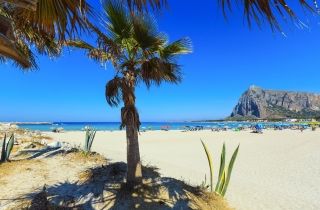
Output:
x=227 y=58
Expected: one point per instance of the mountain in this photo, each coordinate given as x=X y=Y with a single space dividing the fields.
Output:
x=272 y=104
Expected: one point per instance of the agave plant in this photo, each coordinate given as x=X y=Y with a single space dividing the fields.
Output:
x=6 y=148
x=224 y=170
x=90 y=134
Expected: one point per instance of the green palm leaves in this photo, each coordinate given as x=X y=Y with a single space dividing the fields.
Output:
x=136 y=48
x=224 y=170
x=41 y=24
x=90 y=135
x=272 y=10
x=6 y=148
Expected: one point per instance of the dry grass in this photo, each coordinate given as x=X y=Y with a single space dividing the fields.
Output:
x=34 y=145
x=15 y=149
x=208 y=201
x=17 y=167
x=79 y=156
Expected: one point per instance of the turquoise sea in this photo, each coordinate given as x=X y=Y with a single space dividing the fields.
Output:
x=75 y=126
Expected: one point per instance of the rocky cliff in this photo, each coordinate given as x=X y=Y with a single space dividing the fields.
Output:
x=260 y=103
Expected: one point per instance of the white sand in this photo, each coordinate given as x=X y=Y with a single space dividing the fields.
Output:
x=274 y=170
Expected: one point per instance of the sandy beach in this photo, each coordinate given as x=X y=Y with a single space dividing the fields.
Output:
x=274 y=170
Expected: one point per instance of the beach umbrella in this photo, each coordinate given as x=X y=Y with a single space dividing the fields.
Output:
x=259 y=126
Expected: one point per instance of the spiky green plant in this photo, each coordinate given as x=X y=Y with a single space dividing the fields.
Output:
x=3 y=152
x=6 y=148
x=224 y=170
x=209 y=158
x=90 y=135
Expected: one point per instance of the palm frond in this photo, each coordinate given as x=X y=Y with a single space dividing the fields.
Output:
x=142 y=5
x=51 y=22
x=26 y=4
x=79 y=44
x=58 y=18
x=181 y=46
x=271 y=10
x=94 y=53
x=2 y=59
x=146 y=33
x=113 y=91
x=155 y=71
x=119 y=22
x=18 y=52
x=106 y=43
x=43 y=42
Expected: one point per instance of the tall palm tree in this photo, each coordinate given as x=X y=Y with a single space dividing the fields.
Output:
x=139 y=53
x=39 y=23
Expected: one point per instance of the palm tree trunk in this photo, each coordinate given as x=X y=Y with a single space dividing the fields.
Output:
x=134 y=172
x=130 y=119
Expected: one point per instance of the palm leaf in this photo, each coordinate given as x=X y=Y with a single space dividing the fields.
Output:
x=59 y=18
x=119 y=22
x=96 y=54
x=44 y=26
x=113 y=91
x=181 y=46
x=142 y=5
x=105 y=43
x=45 y=43
x=271 y=10
x=79 y=44
x=26 y=4
x=146 y=33
x=155 y=71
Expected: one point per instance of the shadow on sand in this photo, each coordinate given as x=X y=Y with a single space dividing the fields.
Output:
x=104 y=188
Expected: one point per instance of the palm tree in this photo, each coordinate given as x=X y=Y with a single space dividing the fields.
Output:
x=41 y=23
x=139 y=53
